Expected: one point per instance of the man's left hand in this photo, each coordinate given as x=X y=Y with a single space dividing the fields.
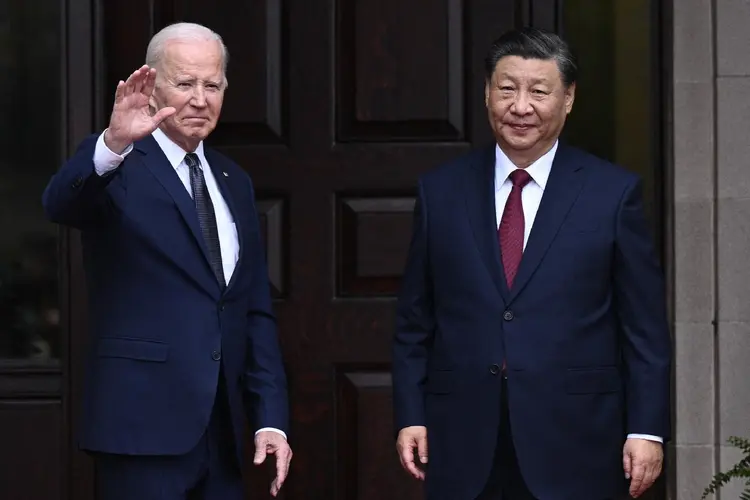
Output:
x=273 y=443
x=642 y=462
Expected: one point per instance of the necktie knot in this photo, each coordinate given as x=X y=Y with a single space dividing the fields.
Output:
x=192 y=160
x=520 y=178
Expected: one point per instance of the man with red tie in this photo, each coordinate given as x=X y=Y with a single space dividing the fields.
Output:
x=531 y=358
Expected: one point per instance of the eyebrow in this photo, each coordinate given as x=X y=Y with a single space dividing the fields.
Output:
x=534 y=81
x=186 y=78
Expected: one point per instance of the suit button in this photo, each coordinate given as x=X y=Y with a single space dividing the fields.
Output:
x=221 y=306
x=508 y=315
x=77 y=183
x=216 y=355
x=495 y=369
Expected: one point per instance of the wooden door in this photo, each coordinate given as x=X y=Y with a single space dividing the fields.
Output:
x=334 y=107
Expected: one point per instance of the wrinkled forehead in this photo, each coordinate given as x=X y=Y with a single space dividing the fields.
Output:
x=193 y=57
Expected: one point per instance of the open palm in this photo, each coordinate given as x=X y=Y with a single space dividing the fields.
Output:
x=131 y=119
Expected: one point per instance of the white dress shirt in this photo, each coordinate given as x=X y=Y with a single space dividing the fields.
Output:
x=531 y=198
x=106 y=161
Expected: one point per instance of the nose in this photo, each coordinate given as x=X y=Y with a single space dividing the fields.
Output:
x=522 y=104
x=199 y=96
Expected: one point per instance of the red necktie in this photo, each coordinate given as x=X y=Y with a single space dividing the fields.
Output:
x=511 y=230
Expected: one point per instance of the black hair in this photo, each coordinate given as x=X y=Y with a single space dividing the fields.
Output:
x=533 y=43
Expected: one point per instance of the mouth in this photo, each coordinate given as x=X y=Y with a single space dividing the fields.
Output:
x=520 y=126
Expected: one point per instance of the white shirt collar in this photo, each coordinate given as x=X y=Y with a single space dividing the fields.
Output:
x=174 y=153
x=539 y=170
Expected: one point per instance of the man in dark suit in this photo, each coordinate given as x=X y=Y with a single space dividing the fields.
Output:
x=532 y=353
x=182 y=328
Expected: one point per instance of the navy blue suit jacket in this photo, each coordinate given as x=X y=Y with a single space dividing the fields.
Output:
x=159 y=322
x=584 y=330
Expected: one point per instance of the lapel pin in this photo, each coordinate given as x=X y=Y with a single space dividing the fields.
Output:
x=225 y=174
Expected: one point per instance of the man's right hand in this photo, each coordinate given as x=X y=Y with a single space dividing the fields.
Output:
x=131 y=118
x=409 y=439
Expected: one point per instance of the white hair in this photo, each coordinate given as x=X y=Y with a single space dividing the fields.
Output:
x=183 y=31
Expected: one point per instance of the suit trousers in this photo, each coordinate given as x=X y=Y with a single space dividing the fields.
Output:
x=210 y=471
x=506 y=481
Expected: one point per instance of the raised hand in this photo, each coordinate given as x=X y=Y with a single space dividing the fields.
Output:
x=131 y=118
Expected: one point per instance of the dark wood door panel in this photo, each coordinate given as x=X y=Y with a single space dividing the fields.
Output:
x=367 y=465
x=399 y=69
x=256 y=108
x=32 y=444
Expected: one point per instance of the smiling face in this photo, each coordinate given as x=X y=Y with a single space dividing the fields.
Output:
x=190 y=78
x=527 y=104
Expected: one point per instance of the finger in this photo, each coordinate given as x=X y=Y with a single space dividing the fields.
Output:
x=149 y=83
x=119 y=91
x=645 y=485
x=282 y=467
x=411 y=466
x=637 y=480
x=162 y=115
x=130 y=83
x=406 y=454
x=422 y=449
x=648 y=481
x=139 y=76
x=626 y=464
x=283 y=462
x=260 y=452
x=412 y=469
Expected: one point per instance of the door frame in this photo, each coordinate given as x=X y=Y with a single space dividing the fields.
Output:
x=82 y=63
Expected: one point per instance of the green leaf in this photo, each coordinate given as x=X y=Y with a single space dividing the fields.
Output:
x=739 y=471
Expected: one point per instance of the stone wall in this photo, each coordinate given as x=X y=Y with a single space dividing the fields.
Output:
x=711 y=237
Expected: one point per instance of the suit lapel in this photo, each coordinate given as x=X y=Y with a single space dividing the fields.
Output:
x=160 y=167
x=228 y=188
x=563 y=187
x=480 y=204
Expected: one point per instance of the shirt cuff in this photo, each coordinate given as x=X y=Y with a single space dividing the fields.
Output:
x=272 y=430
x=105 y=161
x=647 y=437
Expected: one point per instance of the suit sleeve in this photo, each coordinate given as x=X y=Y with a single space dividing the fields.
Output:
x=77 y=195
x=641 y=302
x=415 y=325
x=266 y=401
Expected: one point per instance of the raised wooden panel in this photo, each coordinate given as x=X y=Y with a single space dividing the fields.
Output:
x=373 y=241
x=19 y=379
x=31 y=450
x=400 y=70
x=546 y=14
x=273 y=231
x=367 y=464
x=253 y=111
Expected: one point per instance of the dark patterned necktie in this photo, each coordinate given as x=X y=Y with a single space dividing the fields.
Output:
x=206 y=215
x=511 y=230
